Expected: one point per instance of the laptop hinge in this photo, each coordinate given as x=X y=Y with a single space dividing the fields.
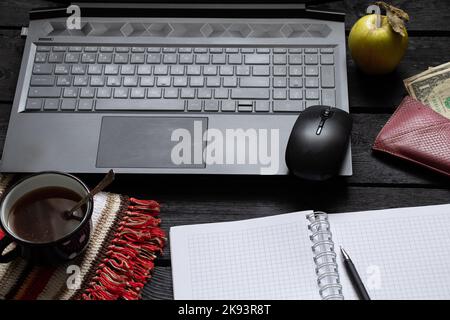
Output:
x=203 y=10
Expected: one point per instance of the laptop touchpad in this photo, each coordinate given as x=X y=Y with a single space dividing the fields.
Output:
x=151 y=142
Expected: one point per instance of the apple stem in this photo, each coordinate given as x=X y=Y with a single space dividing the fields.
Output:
x=374 y=9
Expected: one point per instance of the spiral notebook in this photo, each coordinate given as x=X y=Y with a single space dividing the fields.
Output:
x=399 y=253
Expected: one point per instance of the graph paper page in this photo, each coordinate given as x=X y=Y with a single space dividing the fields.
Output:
x=399 y=253
x=263 y=258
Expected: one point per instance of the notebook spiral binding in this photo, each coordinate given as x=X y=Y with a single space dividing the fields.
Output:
x=324 y=257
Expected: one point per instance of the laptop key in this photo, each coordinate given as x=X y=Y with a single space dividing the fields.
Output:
x=104 y=93
x=171 y=93
x=154 y=93
x=121 y=93
x=44 y=92
x=95 y=69
x=187 y=93
x=194 y=105
x=262 y=106
x=254 y=82
x=295 y=94
x=311 y=94
x=245 y=106
x=78 y=69
x=204 y=93
x=229 y=106
x=56 y=57
x=70 y=92
x=106 y=49
x=140 y=105
x=137 y=93
x=256 y=59
x=328 y=97
x=42 y=48
x=42 y=69
x=51 y=104
x=261 y=71
x=311 y=71
x=327 y=59
x=72 y=57
x=279 y=94
x=68 y=105
x=64 y=81
x=147 y=81
x=40 y=57
x=42 y=80
x=221 y=93
x=85 y=105
x=327 y=76
x=287 y=106
x=211 y=105
x=251 y=93
x=59 y=48
x=33 y=104
x=61 y=69
x=327 y=50
x=80 y=81
x=311 y=59
x=87 y=93
x=104 y=58
x=279 y=82
x=75 y=49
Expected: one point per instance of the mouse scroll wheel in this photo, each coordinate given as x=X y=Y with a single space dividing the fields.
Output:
x=326 y=113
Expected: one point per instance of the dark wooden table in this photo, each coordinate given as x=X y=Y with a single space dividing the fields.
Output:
x=378 y=181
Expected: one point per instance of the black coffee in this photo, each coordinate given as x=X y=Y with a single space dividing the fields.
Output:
x=39 y=215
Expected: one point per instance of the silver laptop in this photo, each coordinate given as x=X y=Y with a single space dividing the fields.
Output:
x=172 y=88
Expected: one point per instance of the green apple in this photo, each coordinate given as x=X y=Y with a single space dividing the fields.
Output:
x=376 y=50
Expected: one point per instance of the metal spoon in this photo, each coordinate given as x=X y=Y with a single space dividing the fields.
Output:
x=106 y=181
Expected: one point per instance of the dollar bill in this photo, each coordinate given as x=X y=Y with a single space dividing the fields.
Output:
x=432 y=87
x=430 y=70
x=439 y=99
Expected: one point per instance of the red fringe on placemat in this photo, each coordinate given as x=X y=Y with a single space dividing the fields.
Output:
x=129 y=260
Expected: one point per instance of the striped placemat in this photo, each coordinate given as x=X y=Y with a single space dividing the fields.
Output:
x=125 y=240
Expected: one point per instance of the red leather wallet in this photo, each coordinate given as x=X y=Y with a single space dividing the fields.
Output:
x=417 y=133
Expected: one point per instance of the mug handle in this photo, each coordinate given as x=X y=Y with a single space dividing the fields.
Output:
x=13 y=254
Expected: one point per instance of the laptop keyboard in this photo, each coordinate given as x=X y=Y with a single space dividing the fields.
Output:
x=180 y=79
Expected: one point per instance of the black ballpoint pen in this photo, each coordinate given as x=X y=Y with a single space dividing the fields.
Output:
x=354 y=276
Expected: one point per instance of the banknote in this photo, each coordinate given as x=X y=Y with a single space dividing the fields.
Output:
x=430 y=70
x=432 y=87
x=439 y=99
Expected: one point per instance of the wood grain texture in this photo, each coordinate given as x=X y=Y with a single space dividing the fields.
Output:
x=421 y=13
x=378 y=181
x=244 y=202
x=10 y=58
x=160 y=285
x=368 y=167
x=182 y=209
x=431 y=15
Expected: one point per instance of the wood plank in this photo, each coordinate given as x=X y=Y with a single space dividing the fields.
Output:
x=185 y=209
x=5 y=111
x=387 y=91
x=14 y=13
x=425 y=16
x=365 y=92
x=160 y=285
x=368 y=167
x=10 y=58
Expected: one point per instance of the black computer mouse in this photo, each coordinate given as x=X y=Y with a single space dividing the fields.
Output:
x=318 y=143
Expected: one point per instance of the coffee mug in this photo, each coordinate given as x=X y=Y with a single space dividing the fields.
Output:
x=67 y=242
